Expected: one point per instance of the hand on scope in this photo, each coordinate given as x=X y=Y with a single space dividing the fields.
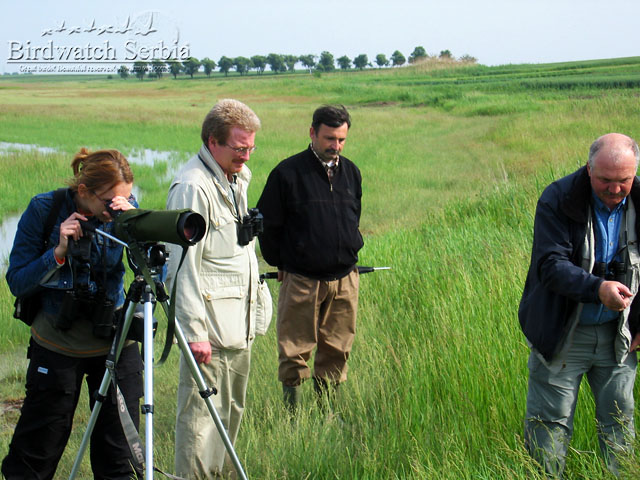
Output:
x=614 y=295
x=201 y=351
x=118 y=203
x=69 y=228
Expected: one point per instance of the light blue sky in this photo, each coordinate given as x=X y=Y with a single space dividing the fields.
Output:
x=494 y=31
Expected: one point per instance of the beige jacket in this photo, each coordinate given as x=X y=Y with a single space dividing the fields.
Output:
x=215 y=296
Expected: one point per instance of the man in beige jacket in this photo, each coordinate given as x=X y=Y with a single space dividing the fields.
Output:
x=217 y=284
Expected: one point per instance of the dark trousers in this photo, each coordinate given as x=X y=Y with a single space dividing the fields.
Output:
x=52 y=391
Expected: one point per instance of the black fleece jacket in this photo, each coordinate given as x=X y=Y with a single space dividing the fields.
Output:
x=556 y=282
x=311 y=224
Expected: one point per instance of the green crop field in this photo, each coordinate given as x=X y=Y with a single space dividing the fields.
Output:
x=453 y=159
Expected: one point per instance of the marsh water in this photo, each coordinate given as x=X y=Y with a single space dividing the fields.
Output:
x=145 y=156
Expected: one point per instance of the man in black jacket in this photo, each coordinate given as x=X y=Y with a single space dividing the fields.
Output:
x=311 y=208
x=578 y=310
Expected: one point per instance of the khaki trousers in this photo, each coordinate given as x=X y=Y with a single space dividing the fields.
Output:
x=316 y=314
x=200 y=452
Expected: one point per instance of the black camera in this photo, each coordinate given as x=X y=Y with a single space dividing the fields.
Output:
x=250 y=226
x=114 y=213
x=83 y=302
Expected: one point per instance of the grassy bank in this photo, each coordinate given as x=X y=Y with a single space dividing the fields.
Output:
x=438 y=372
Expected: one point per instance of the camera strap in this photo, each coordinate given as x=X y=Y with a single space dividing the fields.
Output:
x=138 y=458
x=130 y=431
x=58 y=197
x=128 y=427
x=170 y=311
x=232 y=185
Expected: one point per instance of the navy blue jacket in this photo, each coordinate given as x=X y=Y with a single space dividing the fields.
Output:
x=311 y=224
x=556 y=282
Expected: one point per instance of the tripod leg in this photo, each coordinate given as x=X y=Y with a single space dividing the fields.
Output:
x=147 y=408
x=102 y=391
x=205 y=393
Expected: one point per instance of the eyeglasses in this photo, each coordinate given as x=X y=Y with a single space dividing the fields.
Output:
x=242 y=150
x=102 y=200
x=108 y=201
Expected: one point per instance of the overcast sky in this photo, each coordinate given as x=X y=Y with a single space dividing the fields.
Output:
x=494 y=31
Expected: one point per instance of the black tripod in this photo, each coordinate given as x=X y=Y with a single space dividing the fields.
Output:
x=143 y=290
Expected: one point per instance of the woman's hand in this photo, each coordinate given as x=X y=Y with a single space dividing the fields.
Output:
x=69 y=228
x=118 y=203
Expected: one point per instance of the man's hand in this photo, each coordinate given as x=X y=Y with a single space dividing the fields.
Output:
x=635 y=343
x=201 y=351
x=614 y=295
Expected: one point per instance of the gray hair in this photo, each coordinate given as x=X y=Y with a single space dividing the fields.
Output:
x=628 y=142
x=226 y=114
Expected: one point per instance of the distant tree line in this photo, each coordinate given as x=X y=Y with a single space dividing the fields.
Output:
x=278 y=63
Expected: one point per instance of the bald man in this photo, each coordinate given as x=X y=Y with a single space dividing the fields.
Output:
x=578 y=310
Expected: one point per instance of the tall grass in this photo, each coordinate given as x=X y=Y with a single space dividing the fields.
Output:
x=437 y=380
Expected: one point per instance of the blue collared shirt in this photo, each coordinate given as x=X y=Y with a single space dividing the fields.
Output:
x=607 y=233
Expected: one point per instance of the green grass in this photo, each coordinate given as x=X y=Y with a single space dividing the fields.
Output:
x=453 y=161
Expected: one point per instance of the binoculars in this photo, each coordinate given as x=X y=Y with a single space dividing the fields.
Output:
x=613 y=271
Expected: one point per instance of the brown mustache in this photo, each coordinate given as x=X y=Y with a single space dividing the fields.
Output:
x=614 y=195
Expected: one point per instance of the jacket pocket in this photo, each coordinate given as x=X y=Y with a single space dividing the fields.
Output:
x=223 y=240
x=216 y=286
x=225 y=297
